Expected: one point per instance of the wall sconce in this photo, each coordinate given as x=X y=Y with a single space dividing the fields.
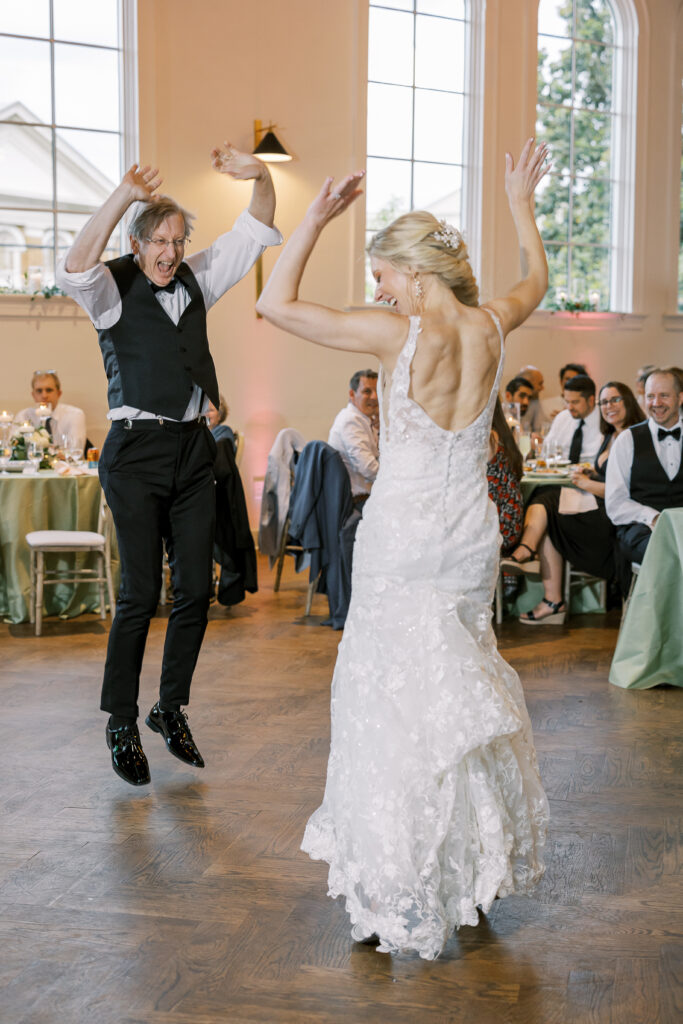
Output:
x=269 y=149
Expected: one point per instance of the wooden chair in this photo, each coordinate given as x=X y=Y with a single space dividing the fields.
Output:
x=78 y=542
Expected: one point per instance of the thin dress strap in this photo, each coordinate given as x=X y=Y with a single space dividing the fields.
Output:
x=499 y=372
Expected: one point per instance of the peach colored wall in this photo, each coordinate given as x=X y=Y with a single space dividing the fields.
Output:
x=301 y=64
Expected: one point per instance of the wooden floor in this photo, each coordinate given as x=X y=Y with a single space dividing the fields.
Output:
x=188 y=902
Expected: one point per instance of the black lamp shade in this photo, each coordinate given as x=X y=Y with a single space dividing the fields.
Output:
x=271 y=150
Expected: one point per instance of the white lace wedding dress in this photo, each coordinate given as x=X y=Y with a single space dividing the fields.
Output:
x=433 y=803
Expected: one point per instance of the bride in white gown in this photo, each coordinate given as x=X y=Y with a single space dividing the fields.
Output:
x=433 y=804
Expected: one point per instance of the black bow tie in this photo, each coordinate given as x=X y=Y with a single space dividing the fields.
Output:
x=170 y=287
x=675 y=433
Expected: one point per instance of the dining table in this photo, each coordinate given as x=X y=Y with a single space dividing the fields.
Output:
x=44 y=500
x=649 y=649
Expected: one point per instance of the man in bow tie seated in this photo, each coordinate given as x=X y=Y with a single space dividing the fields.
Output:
x=577 y=429
x=645 y=472
x=149 y=308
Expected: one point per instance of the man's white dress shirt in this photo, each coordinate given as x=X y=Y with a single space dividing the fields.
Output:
x=563 y=428
x=620 y=506
x=534 y=417
x=356 y=440
x=216 y=269
x=65 y=419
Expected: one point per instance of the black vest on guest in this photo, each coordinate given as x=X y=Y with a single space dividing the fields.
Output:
x=649 y=483
x=151 y=363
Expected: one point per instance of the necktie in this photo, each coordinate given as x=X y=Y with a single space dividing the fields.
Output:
x=575 y=446
x=170 y=287
x=675 y=433
x=48 y=427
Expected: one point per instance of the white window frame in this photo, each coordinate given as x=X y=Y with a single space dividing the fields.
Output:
x=128 y=105
x=473 y=133
x=623 y=154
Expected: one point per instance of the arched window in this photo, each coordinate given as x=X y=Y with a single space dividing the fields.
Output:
x=67 y=119
x=424 y=113
x=586 y=112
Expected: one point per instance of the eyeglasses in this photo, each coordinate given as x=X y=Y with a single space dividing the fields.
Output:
x=43 y=373
x=605 y=403
x=161 y=243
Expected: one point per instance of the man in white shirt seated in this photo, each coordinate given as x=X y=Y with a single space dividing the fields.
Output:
x=645 y=471
x=577 y=429
x=355 y=435
x=519 y=390
x=64 y=420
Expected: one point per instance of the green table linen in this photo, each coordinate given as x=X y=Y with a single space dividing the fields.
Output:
x=649 y=648
x=44 y=501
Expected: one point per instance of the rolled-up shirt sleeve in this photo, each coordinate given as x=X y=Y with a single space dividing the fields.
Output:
x=359 y=451
x=619 y=505
x=94 y=290
x=231 y=256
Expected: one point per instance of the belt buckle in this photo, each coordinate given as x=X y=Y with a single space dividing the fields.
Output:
x=127 y=424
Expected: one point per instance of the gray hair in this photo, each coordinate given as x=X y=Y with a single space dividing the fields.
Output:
x=148 y=216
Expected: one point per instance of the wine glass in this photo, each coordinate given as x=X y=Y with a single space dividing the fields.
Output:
x=34 y=452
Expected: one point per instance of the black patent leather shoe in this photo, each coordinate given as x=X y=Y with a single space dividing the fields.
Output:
x=127 y=756
x=174 y=728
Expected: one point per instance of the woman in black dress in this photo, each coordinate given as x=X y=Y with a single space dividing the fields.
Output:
x=585 y=538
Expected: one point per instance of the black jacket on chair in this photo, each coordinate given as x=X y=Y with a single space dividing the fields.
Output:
x=234 y=545
x=319 y=507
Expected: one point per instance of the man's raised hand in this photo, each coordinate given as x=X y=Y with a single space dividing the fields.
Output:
x=142 y=182
x=242 y=166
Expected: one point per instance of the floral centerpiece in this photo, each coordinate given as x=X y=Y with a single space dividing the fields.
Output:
x=21 y=439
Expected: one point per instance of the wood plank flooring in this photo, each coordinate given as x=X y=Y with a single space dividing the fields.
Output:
x=188 y=902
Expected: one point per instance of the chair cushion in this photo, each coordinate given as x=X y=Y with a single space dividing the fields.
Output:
x=64 y=540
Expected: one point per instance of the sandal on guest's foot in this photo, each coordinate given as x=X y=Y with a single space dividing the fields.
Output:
x=555 y=617
x=519 y=566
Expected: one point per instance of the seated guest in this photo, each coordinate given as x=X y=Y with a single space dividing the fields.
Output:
x=504 y=471
x=533 y=419
x=586 y=539
x=642 y=373
x=519 y=390
x=553 y=405
x=577 y=429
x=63 y=420
x=645 y=474
x=354 y=434
x=217 y=417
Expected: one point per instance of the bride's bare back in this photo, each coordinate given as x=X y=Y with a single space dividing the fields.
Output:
x=454 y=366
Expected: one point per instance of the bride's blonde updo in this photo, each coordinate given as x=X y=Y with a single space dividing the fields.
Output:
x=426 y=245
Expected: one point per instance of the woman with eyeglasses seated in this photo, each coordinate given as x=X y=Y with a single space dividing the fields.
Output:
x=586 y=539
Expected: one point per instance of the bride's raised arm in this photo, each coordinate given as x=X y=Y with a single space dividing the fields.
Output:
x=520 y=184
x=361 y=331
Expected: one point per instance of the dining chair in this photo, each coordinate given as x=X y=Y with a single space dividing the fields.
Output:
x=575 y=578
x=77 y=542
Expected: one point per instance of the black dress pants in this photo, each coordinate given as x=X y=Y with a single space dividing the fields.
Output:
x=159 y=484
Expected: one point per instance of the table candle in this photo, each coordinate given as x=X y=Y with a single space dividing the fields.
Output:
x=5 y=417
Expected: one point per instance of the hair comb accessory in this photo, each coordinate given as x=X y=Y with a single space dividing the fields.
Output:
x=449 y=235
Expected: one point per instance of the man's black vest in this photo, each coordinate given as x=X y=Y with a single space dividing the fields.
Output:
x=649 y=483
x=151 y=363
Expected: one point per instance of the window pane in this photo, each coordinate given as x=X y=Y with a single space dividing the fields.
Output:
x=554 y=125
x=69 y=224
x=23 y=268
x=554 y=70
x=438 y=54
x=594 y=20
x=403 y=5
x=76 y=104
x=438 y=189
x=558 y=275
x=390 y=116
x=446 y=8
x=591 y=210
x=593 y=85
x=552 y=208
x=390 y=42
x=438 y=126
x=387 y=191
x=26 y=165
x=88 y=167
x=25 y=80
x=592 y=142
x=590 y=273
x=555 y=17
x=82 y=21
x=27 y=18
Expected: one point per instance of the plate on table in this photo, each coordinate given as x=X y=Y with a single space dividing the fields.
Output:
x=13 y=467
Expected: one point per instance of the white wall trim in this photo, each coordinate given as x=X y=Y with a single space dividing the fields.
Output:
x=37 y=307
